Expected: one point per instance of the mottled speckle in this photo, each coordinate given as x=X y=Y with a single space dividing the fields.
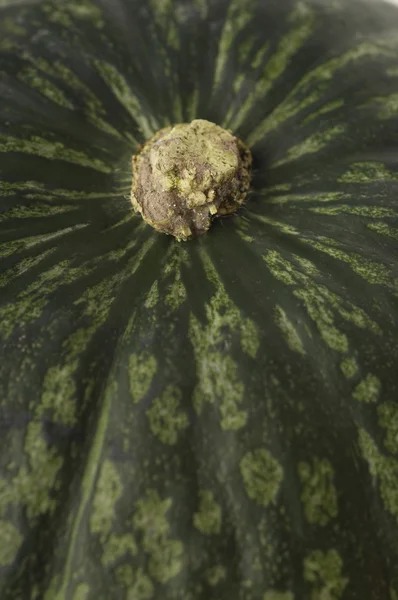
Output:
x=10 y=542
x=319 y=495
x=349 y=367
x=308 y=91
x=275 y=595
x=368 y=390
x=137 y=583
x=324 y=572
x=215 y=575
x=262 y=475
x=313 y=144
x=217 y=373
x=301 y=21
x=125 y=95
x=50 y=150
x=166 y=553
x=289 y=331
x=142 y=368
x=388 y=419
x=367 y=172
x=153 y=296
x=108 y=491
x=34 y=485
x=208 y=518
x=116 y=546
x=383 y=469
x=82 y=592
x=59 y=394
x=166 y=418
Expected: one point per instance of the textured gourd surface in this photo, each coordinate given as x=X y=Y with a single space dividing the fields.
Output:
x=216 y=419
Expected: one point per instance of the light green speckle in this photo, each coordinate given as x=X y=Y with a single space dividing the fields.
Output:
x=176 y=293
x=91 y=105
x=289 y=331
x=33 y=210
x=389 y=106
x=368 y=390
x=121 y=89
x=272 y=189
x=153 y=296
x=208 y=517
x=167 y=15
x=283 y=227
x=238 y=82
x=142 y=368
x=302 y=25
x=38 y=146
x=367 y=172
x=323 y=570
x=141 y=587
x=215 y=575
x=166 y=554
x=259 y=57
x=166 y=419
x=23 y=266
x=10 y=542
x=373 y=272
x=320 y=302
x=246 y=238
x=34 y=485
x=82 y=592
x=244 y=50
x=327 y=108
x=315 y=143
x=28 y=242
x=262 y=475
x=249 y=337
x=323 y=316
x=360 y=211
x=319 y=493
x=86 y=9
x=238 y=16
x=116 y=546
x=45 y=87
x=57 y=14
x=81 y=10
x=9 y=24
x=384 y=229
x=384 y=471
x=275 y=595
x=349 y=367
x=309 y=89
x=59 y=394
x=388 y=419
x=108 y=491
x=218 y=380
x=318 y=197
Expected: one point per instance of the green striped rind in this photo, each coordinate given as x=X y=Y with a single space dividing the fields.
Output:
x=300 y=27
x=309 y=89
x=213 y=419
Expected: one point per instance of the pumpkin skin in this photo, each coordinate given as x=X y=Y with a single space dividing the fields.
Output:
x=219 y=418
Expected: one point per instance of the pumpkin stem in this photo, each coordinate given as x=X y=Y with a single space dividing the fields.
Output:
x=186 y=175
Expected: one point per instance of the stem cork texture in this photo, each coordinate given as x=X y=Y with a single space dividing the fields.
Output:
x=188 y=173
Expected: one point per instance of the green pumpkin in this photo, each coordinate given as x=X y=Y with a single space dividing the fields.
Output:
x=214 y=419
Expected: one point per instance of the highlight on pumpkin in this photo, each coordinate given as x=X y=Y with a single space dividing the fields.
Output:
x=187 y=174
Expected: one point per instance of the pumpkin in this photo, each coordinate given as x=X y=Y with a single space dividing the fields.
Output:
x=216 y=418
